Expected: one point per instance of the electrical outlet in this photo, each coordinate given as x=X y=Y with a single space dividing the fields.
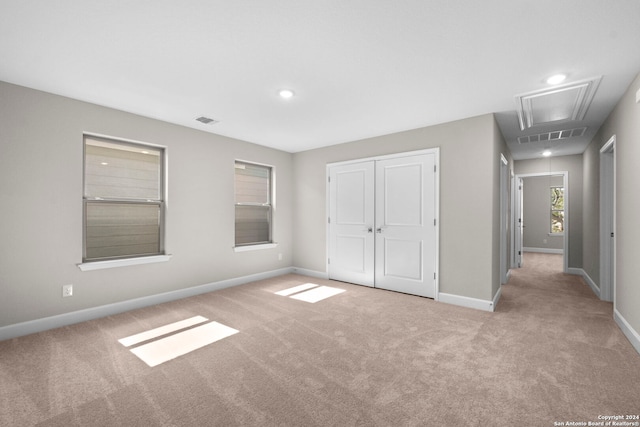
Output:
x=67 y=291
x=279 y=257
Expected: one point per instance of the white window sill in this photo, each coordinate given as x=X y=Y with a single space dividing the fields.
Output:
x=100 y=265
x=254 y=247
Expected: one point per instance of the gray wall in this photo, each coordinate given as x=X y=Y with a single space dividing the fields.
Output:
x=572 y=164
x=41 y=189
x=500 y=147
x=624 y=123
x=536 y=205
x=41 y=155
x=591 y=204
x=469 y=199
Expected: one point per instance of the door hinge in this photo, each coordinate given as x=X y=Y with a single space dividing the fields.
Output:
x=519 y=252
x=329 y=220
x=434 y=222
x=434 y=275
x=329 y=178
x=612 y=234
x=328 y=260
x=435 y=168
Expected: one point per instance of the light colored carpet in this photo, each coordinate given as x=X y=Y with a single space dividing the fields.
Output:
x=365 y=357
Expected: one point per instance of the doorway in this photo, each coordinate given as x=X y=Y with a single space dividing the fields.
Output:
x=607 y=220
x=382 y=222
x=520 y=217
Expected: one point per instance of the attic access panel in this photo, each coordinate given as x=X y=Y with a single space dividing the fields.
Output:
x=558 y=104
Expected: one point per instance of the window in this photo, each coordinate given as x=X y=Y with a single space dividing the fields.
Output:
x=123 y=200
x=253 y=204
x=557 y=210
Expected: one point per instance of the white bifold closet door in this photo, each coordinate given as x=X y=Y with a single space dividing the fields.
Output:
x=351 y=223
x=382 y=229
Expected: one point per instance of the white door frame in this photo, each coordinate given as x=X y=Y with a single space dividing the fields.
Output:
x=565 y=183
x=516 y=236
x=504 y=220
x=608 y=221
x=512 y=192
x=436 y=152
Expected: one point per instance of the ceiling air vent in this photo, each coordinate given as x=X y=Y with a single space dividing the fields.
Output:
x=553 y=136
x=557 y=104
x=207 y=120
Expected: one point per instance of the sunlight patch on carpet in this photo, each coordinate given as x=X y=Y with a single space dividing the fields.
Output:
x=296 y=289
x=318 y=294
x=170 y=347
x=162 y=330
x=310 y=292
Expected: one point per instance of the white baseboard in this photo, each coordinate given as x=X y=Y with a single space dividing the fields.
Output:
x=575 y=271
x=311 y=273
x=587 y=278
x=544 y=250
x=631 y=334
x=478 y=304
x=39 y=325
x=496 y=298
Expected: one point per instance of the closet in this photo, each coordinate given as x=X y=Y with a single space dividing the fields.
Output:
x=382 y=225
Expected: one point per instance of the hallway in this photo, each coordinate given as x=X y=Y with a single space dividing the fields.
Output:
x=542 y=287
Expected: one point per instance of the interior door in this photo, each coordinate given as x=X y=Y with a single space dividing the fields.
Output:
x=405 y=225
x=351 y=217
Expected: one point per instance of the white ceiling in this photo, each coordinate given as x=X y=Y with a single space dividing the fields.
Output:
x=359 y=68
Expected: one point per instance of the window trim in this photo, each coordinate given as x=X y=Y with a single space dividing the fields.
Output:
x=255 y=247
x=122 y=262
x=272 y=208
x=117 y=261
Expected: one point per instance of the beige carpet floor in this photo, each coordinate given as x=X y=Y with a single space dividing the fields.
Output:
x=551 y=353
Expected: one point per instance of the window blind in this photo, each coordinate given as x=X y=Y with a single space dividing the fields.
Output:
x=253 y=210
x=122 y=199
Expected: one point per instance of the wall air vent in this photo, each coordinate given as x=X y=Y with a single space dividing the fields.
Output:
x=207 y=120
x=553 y=136
x=557 y=104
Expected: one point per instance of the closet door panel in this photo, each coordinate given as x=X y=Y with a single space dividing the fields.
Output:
x=351 y=220
x=405 y=230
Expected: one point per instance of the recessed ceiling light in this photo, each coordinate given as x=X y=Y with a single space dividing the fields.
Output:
x=556 y=78
x=104 y=163
x=286 y=93
x=546 y=153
